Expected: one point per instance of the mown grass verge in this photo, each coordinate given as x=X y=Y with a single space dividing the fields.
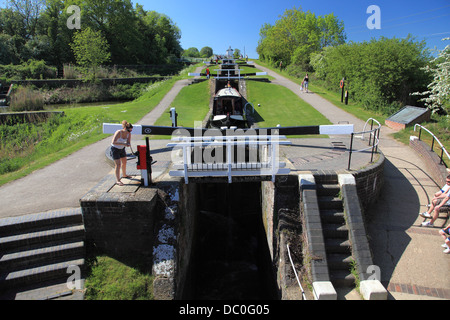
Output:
x=110 y=279
x=19 y=156
x=439 y=125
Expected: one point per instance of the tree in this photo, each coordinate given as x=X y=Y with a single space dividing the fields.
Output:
x=36 y=29
x=29 y=11
x=236 y=53
x=117 y=21
x=296 y=35
x=438 y=93
x=90 y=49
x=191 y=52
x=379 y=74
x=206 y=52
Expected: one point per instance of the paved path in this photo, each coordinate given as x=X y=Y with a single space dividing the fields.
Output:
x=47 y=189
x=410 y=257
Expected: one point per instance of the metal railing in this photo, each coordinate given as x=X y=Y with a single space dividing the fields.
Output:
x=295 y=272
x=374 y=139
x=443 y=150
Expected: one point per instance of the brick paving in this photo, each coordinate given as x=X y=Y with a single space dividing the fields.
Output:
x=413 y=289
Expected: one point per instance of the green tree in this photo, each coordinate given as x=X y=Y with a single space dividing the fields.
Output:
x=91 y=50
x=117 y=21
x=191 y=52
x=380 y=74
x=29 y=12
x=236 y=53
x=206 y=52
x=296 y=35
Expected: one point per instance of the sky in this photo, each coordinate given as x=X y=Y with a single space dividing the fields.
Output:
x=236 y=23
x=220 y=24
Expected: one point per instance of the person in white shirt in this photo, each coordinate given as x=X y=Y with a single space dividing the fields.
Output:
x=120 y=140
x=440 y=199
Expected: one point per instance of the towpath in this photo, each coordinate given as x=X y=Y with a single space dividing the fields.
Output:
x=62 y=184
x=410 y=257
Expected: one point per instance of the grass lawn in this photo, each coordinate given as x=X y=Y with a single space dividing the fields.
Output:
x=439 y=129
x=78 y=128
x=191 y=104
x=334 y=97
x=279 y=105
x=110 y=279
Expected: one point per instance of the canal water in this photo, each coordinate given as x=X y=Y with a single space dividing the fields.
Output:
x=232 y=259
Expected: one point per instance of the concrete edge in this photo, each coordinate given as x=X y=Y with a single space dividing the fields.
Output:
x=313 y=227
x=324 y=290
x=370 y=289
x=373 y=290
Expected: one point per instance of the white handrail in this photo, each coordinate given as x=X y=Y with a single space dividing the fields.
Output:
x=434 y=137
x=364 y=128
x=372 y=132
x=295 y=272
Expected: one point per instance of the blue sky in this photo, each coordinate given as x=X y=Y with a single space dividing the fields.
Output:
x=220 y=24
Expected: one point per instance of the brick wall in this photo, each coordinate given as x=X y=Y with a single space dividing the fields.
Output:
x=121 y=224
x=369 y=182
x=432 y=161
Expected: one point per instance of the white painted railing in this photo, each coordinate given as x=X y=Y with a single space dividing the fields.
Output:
x=255 y=156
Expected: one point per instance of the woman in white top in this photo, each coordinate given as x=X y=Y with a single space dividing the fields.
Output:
x=120 y=140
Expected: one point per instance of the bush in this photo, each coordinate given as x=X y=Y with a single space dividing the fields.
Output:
x=379 y=74
x=26 y=99
x=127 y=92
x=32 y=69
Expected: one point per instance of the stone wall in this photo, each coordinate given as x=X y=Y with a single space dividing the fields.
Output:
x=281 y=219
x=75 y=82
x=186 y=237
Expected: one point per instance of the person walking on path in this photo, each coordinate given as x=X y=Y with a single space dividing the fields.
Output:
x=440 y=199
x=121 y=139
x=305 y=82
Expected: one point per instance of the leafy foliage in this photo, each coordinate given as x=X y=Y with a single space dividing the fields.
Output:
x=438 y=93
x=378 y=73
x=90 y=49
x=36 y=29
x=296 y=35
